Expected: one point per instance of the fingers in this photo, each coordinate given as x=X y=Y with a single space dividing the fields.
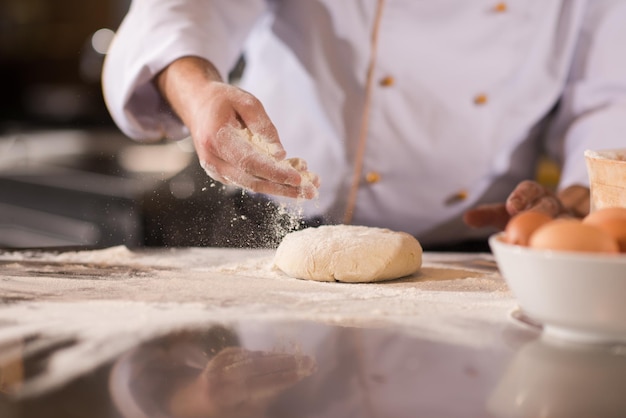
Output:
x=494 y=215
x=576 y=200
x=530 y=195
x=228 y=174
x=254 y=156
x=237 y=144
x=549 y=205
x=253 y=116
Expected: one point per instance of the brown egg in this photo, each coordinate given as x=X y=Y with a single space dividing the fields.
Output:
x=613 y=221
x=521 y=226
x=573 y=235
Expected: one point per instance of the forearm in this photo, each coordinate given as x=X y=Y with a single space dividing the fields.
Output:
x=183 y=85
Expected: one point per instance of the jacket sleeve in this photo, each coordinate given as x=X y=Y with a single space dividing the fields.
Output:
x=152 y=35
x=592 y=112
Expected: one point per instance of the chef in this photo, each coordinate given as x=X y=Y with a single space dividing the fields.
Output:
x=421 y=116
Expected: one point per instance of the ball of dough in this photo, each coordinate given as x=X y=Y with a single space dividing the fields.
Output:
x=348 y=253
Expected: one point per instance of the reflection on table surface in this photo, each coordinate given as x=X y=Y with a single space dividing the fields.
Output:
x=551 y=378
x=306 y=369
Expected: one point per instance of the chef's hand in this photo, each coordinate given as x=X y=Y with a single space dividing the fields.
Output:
x=240 y=383
x=529 y=195
x=234 y=138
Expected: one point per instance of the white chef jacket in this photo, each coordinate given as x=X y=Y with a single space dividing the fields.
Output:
x=452 y=115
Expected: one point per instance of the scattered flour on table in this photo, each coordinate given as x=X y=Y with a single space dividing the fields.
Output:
x=476 y=274
x=111 y=255
x=457 y=299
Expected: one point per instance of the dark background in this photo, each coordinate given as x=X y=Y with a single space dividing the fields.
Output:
x=68 y=177
x=49 y=70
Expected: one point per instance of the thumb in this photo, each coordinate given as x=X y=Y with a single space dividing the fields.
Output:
x=494 y=215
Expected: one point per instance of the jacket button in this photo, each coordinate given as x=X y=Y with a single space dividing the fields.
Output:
x=480 y=99
x=457 y=197
x=372 y=177
x=500 y=7
x=387 y=81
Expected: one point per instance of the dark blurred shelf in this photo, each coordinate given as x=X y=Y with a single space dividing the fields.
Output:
x=61 y=188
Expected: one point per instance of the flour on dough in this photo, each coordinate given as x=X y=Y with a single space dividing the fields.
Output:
x=348 y=253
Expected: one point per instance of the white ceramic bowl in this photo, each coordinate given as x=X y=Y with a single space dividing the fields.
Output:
x=574 y=295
